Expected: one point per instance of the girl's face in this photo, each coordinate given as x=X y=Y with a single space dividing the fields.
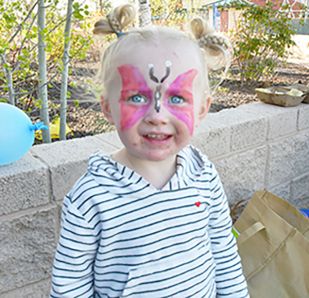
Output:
x=156 y=112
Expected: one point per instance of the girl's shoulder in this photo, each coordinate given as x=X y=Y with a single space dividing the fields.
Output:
x=98 y=164
x=195 y=155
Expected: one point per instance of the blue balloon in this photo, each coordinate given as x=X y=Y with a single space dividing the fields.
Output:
x=16 y=133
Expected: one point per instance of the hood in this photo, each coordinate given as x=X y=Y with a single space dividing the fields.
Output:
x=122 y=180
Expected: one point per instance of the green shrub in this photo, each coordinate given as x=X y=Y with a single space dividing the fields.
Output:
x=261 y=40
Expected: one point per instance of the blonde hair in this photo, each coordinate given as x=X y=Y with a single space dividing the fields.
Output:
x=116 y=21
x=215 y=48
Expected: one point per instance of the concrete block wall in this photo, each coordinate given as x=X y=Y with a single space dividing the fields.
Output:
x=254 y=146
x=257 y=146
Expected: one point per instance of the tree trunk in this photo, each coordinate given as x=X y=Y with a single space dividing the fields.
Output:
x=9 y=78
x=64 y=78
x=144 y=13
x=42 y=71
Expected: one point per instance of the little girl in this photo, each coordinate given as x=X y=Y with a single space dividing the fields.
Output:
x=152 y=219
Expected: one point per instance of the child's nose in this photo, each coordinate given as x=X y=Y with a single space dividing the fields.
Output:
x=156 y=117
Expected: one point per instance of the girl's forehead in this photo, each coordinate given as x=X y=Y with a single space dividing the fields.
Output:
x=180 y=56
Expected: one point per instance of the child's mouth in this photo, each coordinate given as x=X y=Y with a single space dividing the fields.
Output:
x=157 y=137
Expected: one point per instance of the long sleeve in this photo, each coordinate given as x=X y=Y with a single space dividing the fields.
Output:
x=230 y=281
x=72 y=274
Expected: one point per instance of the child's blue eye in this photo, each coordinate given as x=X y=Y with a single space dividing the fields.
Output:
x=137 y=99
x=176 y=100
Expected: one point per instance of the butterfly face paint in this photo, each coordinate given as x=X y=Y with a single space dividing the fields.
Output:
x=136 y=96
x=133 y=86
x=179 y=98
x=158 y=95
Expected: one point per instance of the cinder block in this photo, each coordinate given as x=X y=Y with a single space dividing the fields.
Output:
x=281 y=120
x=300 y=191
x=288 y=159
x=67 y=160
x=303 y=117
x=282 y=124
x=242 y=174
x=247 y=129
x=37 y=290
x=283 y=191
x=27 y=247
x=212 y=138
x=23 y=184
x=111 y=138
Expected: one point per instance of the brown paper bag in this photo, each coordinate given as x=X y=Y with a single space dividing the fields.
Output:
x=273 y=244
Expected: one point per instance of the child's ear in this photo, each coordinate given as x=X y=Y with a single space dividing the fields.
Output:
x=204 y=108
x=106 y=109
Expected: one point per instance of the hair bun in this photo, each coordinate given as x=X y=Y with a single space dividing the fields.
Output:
x=216 y=46
x=200 y=28
x=116 y=21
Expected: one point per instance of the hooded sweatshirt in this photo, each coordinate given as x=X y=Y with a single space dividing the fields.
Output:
x=122 y=237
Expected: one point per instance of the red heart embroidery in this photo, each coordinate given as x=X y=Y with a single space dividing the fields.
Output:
x=198 y=204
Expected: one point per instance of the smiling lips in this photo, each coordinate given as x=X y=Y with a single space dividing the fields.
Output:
x=157 y=137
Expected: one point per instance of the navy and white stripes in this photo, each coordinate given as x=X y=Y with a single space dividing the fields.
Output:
x=121 y=237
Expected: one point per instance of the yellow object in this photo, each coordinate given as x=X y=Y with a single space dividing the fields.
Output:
x=54 y=128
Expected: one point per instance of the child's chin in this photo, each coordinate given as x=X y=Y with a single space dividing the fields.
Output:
x=159 y=156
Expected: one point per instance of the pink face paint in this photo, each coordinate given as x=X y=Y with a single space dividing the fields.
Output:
x=133 y=83
x=182 y=86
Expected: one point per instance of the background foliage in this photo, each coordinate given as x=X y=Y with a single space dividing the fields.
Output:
x=18 y=44
x=261 y=40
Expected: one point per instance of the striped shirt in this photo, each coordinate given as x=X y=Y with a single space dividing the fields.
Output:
x=122 y=237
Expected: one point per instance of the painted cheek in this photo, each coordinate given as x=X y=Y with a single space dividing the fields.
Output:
x=182 y=86
x=133 y=83
x=130 y=115
x=185 y=115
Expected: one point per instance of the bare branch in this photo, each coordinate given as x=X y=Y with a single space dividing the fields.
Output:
x=22 y=43
x=19 y=27
x=9 y=77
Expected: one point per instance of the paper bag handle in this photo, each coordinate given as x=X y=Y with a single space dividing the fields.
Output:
x=245 y=235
